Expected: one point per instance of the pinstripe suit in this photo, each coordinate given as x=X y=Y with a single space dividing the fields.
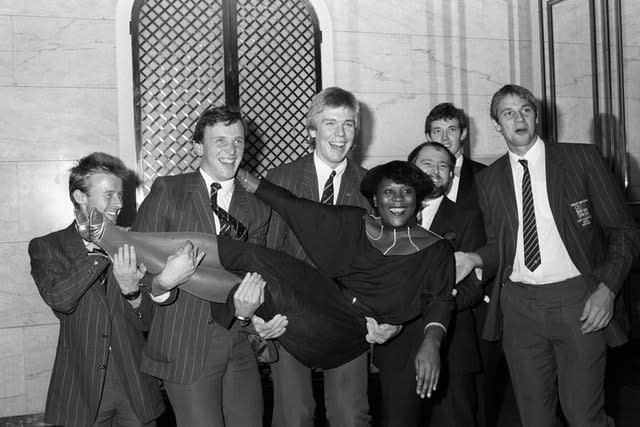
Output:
x=602 y=247
x=184 y=339
x=345 y=387
x=98 y=331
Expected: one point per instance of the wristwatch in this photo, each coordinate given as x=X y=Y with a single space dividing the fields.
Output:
x=244 y=321
x=130 y=296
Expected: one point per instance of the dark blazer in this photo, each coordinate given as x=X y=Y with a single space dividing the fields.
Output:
x=466 y=192
x=93 y=318
x=178 y=341
x=301 y=179
x=602 y=244
x=463 y=228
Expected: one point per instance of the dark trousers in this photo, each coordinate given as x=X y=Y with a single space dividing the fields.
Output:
x=455 y=404
x=229 y=392
x=549 y=357
x=114 y=409
x=345 y=393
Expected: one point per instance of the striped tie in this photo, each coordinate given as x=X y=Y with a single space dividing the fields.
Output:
x=327 y=193
x=530 y=234
x=229 y=226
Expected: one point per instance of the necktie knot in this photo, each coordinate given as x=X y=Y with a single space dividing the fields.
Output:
x=215 y=186
x=524 y=163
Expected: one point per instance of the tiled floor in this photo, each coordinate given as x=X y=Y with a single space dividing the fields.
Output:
x=623 y=395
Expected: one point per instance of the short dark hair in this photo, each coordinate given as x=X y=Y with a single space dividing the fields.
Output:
x=93 y=164
x=511 y=89
x=416 y=151
x=332 y=97
x=445 y=111
x=214 y=115
x=401 y=173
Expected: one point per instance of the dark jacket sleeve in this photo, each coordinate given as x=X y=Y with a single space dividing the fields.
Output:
x=437 y=301
x=469 y=292
x=62 y=283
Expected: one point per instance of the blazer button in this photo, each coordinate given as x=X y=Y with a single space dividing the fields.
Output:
x=102 y=366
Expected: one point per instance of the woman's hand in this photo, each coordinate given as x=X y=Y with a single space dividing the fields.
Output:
x=248 y=181
x=427 y=367
x=249 y=295
x=274 y=328
x=379 y=334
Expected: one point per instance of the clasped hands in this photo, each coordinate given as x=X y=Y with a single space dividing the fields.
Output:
x=246 y=300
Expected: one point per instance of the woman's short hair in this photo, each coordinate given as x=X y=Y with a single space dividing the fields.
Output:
x=399 y=172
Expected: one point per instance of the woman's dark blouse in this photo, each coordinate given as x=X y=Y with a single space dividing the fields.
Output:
x=392 y=289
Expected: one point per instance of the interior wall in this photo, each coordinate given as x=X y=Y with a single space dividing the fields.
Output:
x=58 y=87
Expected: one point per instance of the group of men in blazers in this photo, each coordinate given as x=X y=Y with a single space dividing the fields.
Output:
x=553 y=315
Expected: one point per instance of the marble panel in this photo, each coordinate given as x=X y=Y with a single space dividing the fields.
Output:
x=367 y=62
x=573 y=74
x=64 y=52
x=631 y=70
x=12 y=372
x=468 y=66
x=9 y=224
x=631 y=22
x=40 y=344
x=459 y=18
x=574 y=119
x=393 y=124
x=571 y=22
x=99 y=9
x=6 y=34
x=6 y=69
x=56 y=123
x=43 y=197
x=18 y=310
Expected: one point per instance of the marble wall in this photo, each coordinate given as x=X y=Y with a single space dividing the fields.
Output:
x=59 y=102
x=58 y=92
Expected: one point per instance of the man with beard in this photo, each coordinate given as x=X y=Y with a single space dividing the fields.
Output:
x=455 y=401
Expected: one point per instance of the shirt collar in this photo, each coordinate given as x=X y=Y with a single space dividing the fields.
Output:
x=459 y=161
x=534 y=155
x=323 y=170
x=226 y=186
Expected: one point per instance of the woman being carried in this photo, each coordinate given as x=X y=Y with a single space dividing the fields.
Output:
x=385 y=266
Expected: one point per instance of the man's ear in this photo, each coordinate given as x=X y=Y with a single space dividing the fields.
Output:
x=198 y=147
x=312 y=133
x=375 y=201
x=497 y=126
x=463 y=135
x=428 y=137
x=80 y=197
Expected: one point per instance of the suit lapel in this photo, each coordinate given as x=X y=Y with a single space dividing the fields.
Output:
x=239 y=207
x=348 y=185
x=72 y=242
x=446 y=211
x=199 y=197
x=466 y=176
x=555 y=175
x=309 y=179
x=507 y=197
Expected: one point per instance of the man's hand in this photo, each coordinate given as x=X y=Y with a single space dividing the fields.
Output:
x=379 y=334
x=598 y=310
x=126 y=269
x=179 y=268
x=274 y=328
x=465 y=263
x=249 y=295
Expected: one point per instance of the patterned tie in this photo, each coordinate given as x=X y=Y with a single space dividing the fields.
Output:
x=229 y=226
x=327 y=193
x=530 y=234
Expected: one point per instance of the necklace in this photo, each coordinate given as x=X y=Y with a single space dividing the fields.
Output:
x=411 y=241
x=381 y=233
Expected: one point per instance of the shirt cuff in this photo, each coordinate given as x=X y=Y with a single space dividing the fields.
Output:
x=438 y=324
x=478 y=273
x=160 y=298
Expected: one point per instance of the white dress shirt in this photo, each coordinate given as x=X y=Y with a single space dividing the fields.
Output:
x=556 y=263
x=323 y=171
x=452 y=193
x=429 y=211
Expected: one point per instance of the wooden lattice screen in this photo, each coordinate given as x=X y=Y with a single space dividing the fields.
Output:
x=181 y=49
